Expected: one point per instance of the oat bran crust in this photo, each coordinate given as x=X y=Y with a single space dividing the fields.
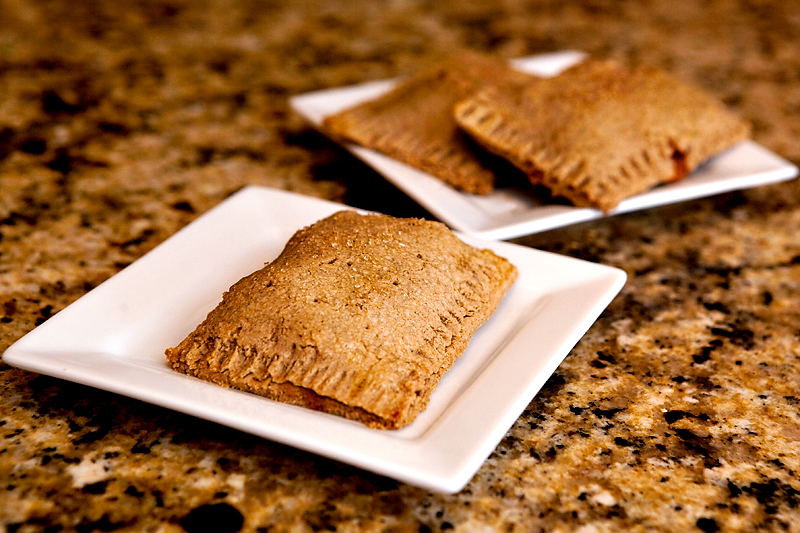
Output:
x=414 y=123
x=359 y=316
x=599 y=133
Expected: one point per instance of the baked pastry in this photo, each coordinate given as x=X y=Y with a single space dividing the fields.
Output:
x=359 y=316
x=599 y=133
x=413 y=123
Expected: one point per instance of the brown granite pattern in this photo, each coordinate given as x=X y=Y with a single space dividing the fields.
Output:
x=678 y=411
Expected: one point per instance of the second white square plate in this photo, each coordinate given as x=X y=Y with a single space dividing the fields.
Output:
x=513 y=212
x=114 y=339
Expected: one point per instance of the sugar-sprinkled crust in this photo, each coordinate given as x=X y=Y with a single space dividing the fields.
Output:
x=359 y=316
x=599 y=133
x=414 y=122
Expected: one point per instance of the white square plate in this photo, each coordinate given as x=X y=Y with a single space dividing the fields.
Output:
x=114 y=338
x=512 y=212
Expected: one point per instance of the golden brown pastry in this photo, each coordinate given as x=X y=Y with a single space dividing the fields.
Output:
x=414 y=123
x=599 y=133
x=359 y=316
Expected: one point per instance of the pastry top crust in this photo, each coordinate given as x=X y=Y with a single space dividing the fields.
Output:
x=414 y=122
x=366 y=310
x=599 y=133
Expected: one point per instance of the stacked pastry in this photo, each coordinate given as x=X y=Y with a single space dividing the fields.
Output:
x=596 y=134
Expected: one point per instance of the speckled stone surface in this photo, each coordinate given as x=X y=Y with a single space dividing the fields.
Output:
x=678 y=411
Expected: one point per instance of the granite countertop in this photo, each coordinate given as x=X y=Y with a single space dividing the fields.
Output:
x=678 y=411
